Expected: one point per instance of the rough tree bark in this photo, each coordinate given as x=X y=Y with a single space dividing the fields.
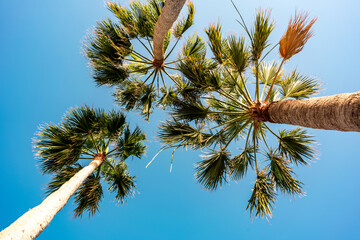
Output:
x=33 y=222
x=339 y=112
x=168 y=16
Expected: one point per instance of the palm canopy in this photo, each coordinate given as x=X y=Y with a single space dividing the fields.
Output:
x=86 y=134
x=217 y=109
x=115 y=53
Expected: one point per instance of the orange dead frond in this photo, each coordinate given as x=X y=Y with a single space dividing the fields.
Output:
x=297 y=34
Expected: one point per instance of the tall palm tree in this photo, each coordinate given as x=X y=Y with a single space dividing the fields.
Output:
x=116 y=50
x=220 y=110
x=85 y=135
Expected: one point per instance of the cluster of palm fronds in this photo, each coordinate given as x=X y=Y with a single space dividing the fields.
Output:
x=82 y=135
x=215 y=108
x=115 y=62
x=211 y=101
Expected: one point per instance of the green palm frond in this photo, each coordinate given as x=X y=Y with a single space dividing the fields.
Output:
x=238 y=55
x=62 y=177
x=114 y=124
x=125 y=16
x=282 y=174
x=88 y=196
x=260 y=34
x=217 y=44
x=168 y=97
x=267 y=72
x=192 y=111
x=175 y=133
x=298 y=86
x=136 y=94
x=296 y=145
x=56 y=148
x=121 y=183
x=263 y=196
x=130 y=144
x=84 y=121
x=197 y=70
x=106 y=49
x=194 y=47
x=241 y=162
x=212 y=171
x=186 y=22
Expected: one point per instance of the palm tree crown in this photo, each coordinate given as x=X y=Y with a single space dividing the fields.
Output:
x=113 y=51
x=86 y=134
x=218 y=109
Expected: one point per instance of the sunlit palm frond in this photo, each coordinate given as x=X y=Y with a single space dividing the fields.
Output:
x=263 y=196
x=282 y=174
x=237 y=53
x=259 y=35
x=217 y=44
x=88 y=196
x=194 y=47
x=296 y=145
x=174 y=133
x=297 y=34
x=212 y=172
x=298 y=86
x=56 y=148
x=186 y=22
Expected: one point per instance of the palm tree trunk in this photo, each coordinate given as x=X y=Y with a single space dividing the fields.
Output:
x=338 y=112
x=33 y=222
x=168 y=16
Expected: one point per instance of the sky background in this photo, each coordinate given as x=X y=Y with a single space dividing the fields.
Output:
x=43 y=73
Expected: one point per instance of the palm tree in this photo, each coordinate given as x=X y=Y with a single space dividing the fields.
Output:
x=113 y=50
x=220 y=110
x=85 y=135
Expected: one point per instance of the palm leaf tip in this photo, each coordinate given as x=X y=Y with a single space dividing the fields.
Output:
x=297 y=34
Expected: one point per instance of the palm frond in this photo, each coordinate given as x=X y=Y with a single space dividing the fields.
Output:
x=56 y=148
x=121 y=183
x=296 y=145
x=212 y=171
x=298 y=86
x=237 y=53
x=282 y=174
x=88 y=196
x=191 y=111
x=193 y=47
x=174 y=133
x=186 y=22
x=297 y=34
x=106 y=49
x=241 y=162
x=263 y=196
x=267 y=72
x=217 y=45
x=114 y=124
x=130 y=144
x=136 y=94
x=260 y=34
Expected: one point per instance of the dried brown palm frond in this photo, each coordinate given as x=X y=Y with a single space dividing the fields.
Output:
x=297 y=34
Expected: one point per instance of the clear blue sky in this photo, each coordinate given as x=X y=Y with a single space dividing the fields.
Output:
x=43 y=74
